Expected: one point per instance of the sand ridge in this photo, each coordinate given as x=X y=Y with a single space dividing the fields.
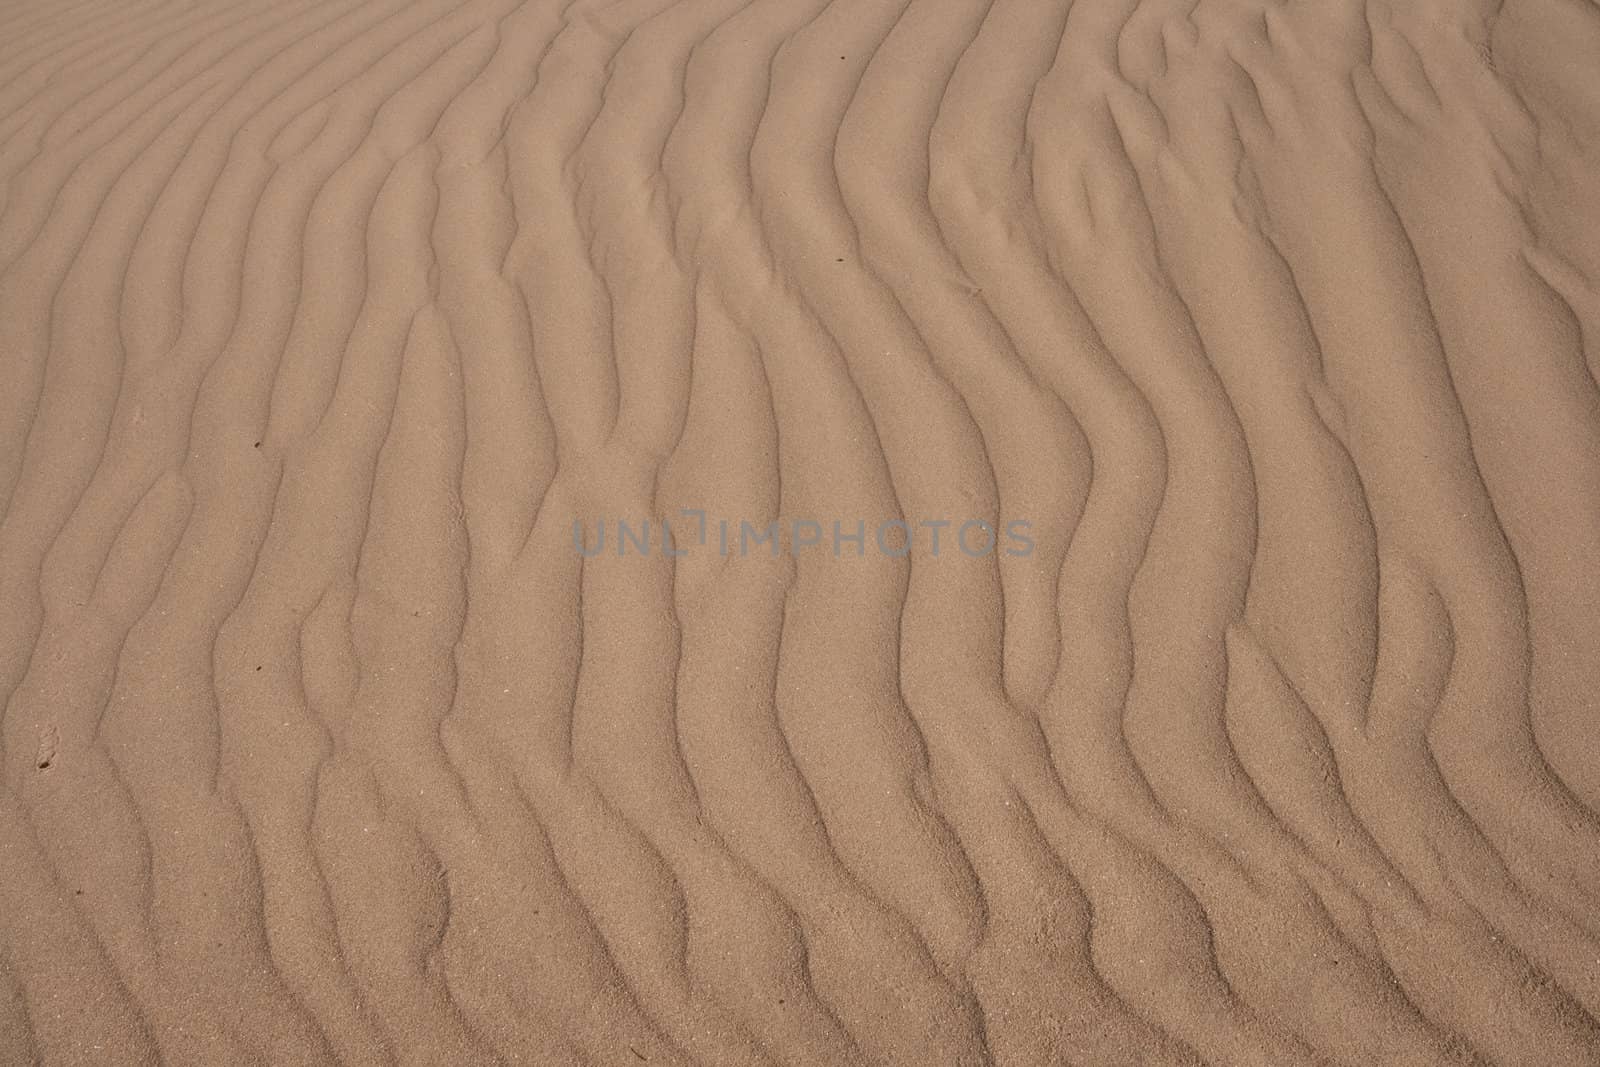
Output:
x=323 y=323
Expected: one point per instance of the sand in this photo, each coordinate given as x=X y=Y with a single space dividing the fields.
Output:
x=926 y=532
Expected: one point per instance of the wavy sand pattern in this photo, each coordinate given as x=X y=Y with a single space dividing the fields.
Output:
x=321 y=321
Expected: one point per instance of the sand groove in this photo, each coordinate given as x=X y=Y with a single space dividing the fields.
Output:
x=326 y=326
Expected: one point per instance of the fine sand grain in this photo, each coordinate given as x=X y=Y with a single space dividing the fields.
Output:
x=1180 y=638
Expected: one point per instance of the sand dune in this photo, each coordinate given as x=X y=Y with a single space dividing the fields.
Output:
x=800 y=532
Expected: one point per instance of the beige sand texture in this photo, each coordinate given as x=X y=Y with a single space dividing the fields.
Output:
x=323 y=321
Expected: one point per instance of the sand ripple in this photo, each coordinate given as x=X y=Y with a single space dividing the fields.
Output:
x=1273 y=322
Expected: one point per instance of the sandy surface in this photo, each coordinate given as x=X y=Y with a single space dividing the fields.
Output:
x=1242 y=353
